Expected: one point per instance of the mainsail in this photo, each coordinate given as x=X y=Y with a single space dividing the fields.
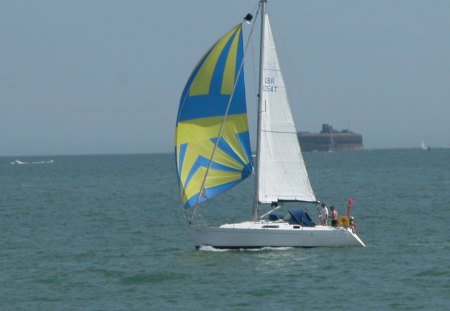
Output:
x=282 y=174
x=212 y=143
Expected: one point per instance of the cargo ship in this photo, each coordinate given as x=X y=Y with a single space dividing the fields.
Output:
x=330 y=139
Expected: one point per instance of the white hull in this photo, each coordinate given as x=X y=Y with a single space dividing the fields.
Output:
x=273 y=234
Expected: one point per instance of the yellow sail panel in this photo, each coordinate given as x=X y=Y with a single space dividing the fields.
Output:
x=217 y=178
x=208 y=128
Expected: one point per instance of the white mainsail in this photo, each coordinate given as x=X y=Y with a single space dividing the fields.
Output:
x=282 y=174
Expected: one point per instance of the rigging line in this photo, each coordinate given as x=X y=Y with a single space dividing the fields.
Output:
x=272 y=210
x=241 y=66
x=255 y=83
x=256 y=202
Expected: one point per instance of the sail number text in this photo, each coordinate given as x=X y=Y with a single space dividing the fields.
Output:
x=269 y=85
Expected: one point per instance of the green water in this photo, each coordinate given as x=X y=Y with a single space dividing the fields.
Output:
x=108 y=233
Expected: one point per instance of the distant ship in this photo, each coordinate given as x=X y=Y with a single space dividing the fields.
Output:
x=424 y=146
x=330 y=139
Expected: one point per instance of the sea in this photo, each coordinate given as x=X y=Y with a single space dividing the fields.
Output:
x=107 y=232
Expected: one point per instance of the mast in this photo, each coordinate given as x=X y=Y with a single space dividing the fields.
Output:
x=260 y=104
x=281 y=174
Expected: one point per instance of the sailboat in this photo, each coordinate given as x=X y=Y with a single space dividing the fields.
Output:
x=213 y=152
x=331 y=149
x=424 y=146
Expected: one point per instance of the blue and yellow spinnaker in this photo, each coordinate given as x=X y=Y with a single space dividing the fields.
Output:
x=212 y=127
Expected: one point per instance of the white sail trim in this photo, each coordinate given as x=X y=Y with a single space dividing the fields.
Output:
x=282 y=174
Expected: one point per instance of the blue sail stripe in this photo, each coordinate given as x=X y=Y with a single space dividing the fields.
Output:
x=239 y=92
x=244 y=139
x=210 y=106
x=247 y=170
x=213 y=191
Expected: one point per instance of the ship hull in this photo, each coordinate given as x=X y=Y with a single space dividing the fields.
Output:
x=273 y=234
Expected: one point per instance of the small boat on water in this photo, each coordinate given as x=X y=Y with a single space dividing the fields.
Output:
x=424 y=146
x=213 y=152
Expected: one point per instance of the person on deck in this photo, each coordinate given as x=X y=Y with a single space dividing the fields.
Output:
x=334 y=216
x=323 y=214
x=352 y=224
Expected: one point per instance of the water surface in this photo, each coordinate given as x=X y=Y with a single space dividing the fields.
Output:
x=108 y=233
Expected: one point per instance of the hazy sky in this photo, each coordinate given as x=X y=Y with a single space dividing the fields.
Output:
x=105 y=76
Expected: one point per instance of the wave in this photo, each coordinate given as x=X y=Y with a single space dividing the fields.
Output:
x=18 y=162
x=262 y=249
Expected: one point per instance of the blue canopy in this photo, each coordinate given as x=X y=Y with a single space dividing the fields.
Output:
x=302 y=218
x=274 y=217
